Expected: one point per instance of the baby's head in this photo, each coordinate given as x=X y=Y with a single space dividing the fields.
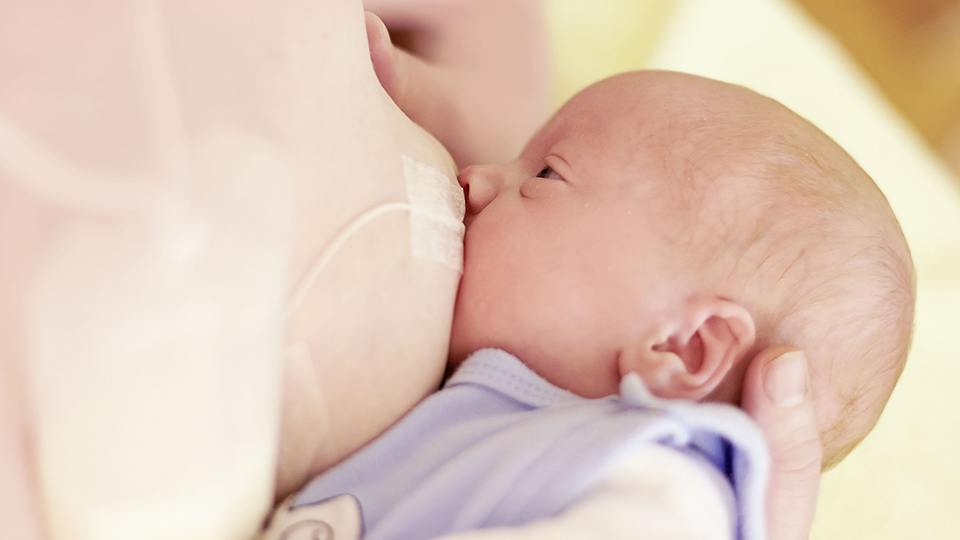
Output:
x=673 y=226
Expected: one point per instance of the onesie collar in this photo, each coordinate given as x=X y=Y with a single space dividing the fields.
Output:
x=500 y=370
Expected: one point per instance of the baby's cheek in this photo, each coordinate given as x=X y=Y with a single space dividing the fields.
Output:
x=535 y=188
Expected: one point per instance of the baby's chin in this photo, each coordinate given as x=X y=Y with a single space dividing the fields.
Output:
x=464 y=331
x=456 y=355
x=467 y=337
x=459 y=344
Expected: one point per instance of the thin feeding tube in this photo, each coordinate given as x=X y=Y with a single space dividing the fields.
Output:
x=323 y=258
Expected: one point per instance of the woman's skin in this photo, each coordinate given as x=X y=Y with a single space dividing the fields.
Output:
x=353 y=136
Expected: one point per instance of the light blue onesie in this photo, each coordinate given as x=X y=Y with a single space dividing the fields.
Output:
x=500 y=446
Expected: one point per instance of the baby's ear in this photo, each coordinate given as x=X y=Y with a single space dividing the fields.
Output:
x=690 y=352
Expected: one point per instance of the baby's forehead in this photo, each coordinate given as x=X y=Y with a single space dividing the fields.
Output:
x=659 y=98
x=698 y=149
x=667 y=119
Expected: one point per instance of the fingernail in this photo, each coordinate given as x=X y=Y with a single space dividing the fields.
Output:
x=381 y=28
x=785 y=379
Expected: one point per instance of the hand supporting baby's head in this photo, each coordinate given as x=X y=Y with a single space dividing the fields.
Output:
x=673 y=226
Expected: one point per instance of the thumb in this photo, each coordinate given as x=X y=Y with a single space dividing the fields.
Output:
x=382 y=52
x=407 y=79
x=776 y=394
x=420 y=89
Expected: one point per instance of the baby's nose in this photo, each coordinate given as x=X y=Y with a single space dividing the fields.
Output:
x=481 y=184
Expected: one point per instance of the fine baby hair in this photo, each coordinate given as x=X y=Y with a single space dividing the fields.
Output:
x=807 y=242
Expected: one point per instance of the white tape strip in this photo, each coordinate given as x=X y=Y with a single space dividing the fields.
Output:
x=436 y=214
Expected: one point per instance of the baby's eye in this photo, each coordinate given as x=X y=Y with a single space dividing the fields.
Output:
x=548 y=172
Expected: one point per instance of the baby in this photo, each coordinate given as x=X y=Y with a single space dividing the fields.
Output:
x=651 y=238
x=670 y=225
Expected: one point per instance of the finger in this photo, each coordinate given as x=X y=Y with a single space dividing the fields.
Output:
x=776 y=394
x=413 y=84
x=382 y=52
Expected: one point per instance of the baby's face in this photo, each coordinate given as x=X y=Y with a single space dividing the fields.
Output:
x=563 y=254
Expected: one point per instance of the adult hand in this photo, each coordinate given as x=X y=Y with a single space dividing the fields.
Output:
x=775 y=394
x=473 y=73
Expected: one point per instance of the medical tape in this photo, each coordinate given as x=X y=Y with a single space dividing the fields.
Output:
x=436 y=214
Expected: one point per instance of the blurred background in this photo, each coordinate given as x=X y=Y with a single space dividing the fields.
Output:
x=909 y=48
x=882 y=77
